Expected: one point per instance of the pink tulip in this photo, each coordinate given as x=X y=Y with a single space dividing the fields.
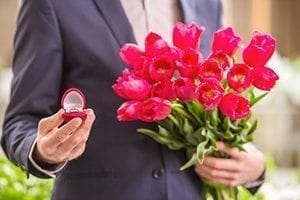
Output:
x=163 y=90
x=210 y=69
x=185 y=89
x=188 y=64
x=162 y=68
x=222 y=59
x=142 y=69
x=263 y=78
x=210 y=93
x=132 y=87
x=131 y=54
x=154 y=109
x=260 y=50
x=129 y=111
x=234 y=106
x=187 y=36
x=226 y=41
x=155 y=45
x=239 y=77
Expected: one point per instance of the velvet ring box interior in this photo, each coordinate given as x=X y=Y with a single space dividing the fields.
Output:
x=73 y=102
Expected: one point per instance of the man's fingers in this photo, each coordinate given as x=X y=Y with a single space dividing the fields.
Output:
x=77 y=151
x=215 y=173
x=80 y=136
x=87 y=125
x=63 y=133
x=73 y=141
x=51 y=122
x=223 y=177
x=222 y=163
x=232 y=152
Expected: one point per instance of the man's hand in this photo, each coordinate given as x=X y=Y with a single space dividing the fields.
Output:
x=239 y=169
x=57 y=143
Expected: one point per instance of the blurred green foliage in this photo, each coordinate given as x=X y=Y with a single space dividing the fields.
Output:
x=270 y=162
x=295 y=62
x=244 y=194
x=15 y=186
x=297 y=174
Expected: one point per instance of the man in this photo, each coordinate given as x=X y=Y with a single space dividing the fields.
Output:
x=73 y=43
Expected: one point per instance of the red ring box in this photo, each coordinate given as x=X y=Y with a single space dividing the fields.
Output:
x=74 y=103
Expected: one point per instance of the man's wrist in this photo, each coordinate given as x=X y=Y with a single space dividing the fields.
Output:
x=40 y=160
x=256 y=183
x=46 y=168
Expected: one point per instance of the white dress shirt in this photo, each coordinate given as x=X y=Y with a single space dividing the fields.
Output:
x=157 y=16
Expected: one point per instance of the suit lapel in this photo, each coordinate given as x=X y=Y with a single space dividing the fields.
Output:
x=115 y=17
x=188 y=7
x=205 y=13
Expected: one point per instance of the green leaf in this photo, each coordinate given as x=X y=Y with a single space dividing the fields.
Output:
x=174 y=120
x=204 y=132
x=190 y=133
x=164 y=132
x=218 y=134
x=176 y=104
x=187 y=127
x=253 y=127
x=251 y=130
x=235 y=127
x=226 y=124
x=167 y=123
x=245 y=120
x=238 y=146
x=251 y=93
x=191 y=139
x=154 y=135
x=214 y=118
x=212 y=138
x=149 y=133
x=189 y=163
x=199 y=137
x=254 y=100
x=180 y=111
x=196 y=111
x=172 y=143
x=228 y=135
x=175 y=145
x=203 y=151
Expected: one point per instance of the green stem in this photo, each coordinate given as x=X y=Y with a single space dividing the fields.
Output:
x=220 y=192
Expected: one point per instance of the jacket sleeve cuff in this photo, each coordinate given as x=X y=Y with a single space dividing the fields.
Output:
x=253 y=186
x=49 y=170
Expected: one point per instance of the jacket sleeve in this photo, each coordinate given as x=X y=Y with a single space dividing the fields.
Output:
x=219 y=15
x=37 y=77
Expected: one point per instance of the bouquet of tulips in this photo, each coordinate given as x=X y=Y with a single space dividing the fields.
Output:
x=195 y=101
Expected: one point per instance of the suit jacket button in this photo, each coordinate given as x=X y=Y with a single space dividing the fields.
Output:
x=158 y=173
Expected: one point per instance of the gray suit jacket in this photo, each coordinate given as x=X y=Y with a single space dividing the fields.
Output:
x=75 y=43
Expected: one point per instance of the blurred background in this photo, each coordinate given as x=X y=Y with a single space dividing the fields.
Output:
x=278 y=134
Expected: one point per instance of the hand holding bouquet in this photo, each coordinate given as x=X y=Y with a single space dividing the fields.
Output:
x=194 y=101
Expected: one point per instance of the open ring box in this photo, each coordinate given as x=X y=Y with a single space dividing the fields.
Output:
x=73 y=102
